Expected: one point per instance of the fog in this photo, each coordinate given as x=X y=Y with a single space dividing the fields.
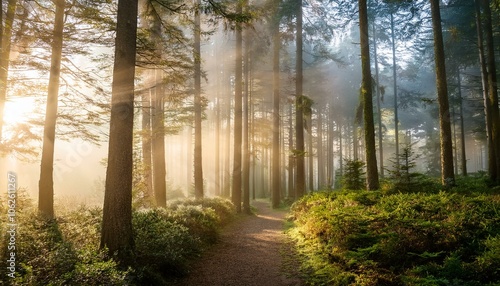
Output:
x=331 y=82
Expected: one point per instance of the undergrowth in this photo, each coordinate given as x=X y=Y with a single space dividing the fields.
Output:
x=65 y=251
x=380 y=238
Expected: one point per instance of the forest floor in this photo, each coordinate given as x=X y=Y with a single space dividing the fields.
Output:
x=252 y=250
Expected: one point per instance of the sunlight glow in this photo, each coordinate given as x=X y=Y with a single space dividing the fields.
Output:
x=18 y=110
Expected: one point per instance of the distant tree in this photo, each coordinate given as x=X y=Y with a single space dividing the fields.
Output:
x=447 y=171
x=166 y=74
x=146 y=133
x=5 y=54
x=276 y=178
x=238 y=124
x=158 y=137
x=46 y=183
x=300 y=184
x=379 y=93
x=116 y=233
x=372 y=181
x=245 y=169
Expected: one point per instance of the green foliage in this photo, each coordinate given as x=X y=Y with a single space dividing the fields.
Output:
x=305 y=104
x=223 y=208
x=162 y=244
x=404 y=179
x=372 y=238
x=65 y=251
x=354 y=175
x=402 y=173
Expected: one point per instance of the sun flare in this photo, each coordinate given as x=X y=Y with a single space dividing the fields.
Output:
x=18 y=110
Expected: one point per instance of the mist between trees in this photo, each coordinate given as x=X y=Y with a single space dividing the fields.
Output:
x=246 y=99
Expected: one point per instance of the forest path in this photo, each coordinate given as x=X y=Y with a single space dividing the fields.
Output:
x=252 y=251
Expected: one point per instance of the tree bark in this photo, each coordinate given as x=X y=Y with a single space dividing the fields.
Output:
x=227 y=144
x=291 y=159
x=46 y=183
x=246 y=142
x=158 y=143
x=146 y=143
x=217 y=143
x=463 y=154
x=341 y=150
x=320 y=152
x=310 y=157
x=492 y=164
x=379 y=110
x=236 y=191
x=276 y=178
x=394 y=75
x=299 y=115
x=116 y=234
x=492 y=85
x=372 y=181
x=447 y=174
x=198 y=162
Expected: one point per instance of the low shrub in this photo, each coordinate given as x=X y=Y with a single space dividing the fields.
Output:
x=162 y=246
x=223 y=208
x=373 y=238
x=65 y=251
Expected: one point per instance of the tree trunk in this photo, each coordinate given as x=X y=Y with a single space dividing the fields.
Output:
x=5 y=56
x=372 y=182
x=253 y=161
x=276 y=178
x=283 y=153
x=320 y=152
x=355 y=141
x=116 y=232
x=227 y=144
x=379 y=110
x=310 y=156
x=217 y=143
x=246 y=146
x=447 y=175
x=462 y=128
x=492 y=85
x=455 y=141
x=492 y=164
x=341 y=151
x=198 y=163
x=46 y=183
x=394 y=75
x=330 y=155
x=146 y=143
x=158 y=144
x=291 y=159
x=299 y=116
x=236 y=191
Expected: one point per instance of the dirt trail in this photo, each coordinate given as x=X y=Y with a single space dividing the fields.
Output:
x=251 y=251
